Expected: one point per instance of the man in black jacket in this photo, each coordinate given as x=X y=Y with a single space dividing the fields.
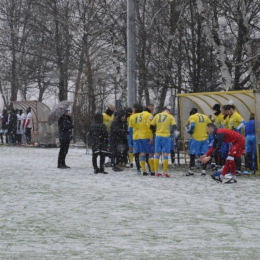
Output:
x=65 y=135
x=99 y=136
x=118 y=140
x=12 y=126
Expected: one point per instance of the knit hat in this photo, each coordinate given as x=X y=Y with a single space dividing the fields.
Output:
x=129 y=112
x=216 y=107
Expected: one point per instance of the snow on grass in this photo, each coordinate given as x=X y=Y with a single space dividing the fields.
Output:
x=50 y=213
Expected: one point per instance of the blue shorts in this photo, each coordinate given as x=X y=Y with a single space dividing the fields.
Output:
x=145 y=146
x=250 y=144
x=136 y=146
x=198 y=147
x=130 y=141
x=162 y=144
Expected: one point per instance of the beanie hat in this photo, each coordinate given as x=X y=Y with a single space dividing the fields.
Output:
x=216 y=107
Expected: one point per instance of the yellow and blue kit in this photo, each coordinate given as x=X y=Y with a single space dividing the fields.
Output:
x=218 y=120
x=163 y=122
x=134 y=130
x=197 y=127
x=236 y=122
x=225 y=123
x=145 y=133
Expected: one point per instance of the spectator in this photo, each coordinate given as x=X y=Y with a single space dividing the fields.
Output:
x=28 y=125
x=65 y=135
x=23 y=119
x=99 y=137
x=12 y=126
x=19 y=130
x=118 y=140
x=4 y=131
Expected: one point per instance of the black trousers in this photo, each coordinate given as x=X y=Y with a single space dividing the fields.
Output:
x=19 y=138
x=119 y=154
x=13 y=136
x=64 y=147
x=102 y=157
x=28 y=135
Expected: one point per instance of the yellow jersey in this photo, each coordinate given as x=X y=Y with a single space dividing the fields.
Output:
x=107 y=120
x=128 y=118
x=200 y=129
x=144 y=121
x=133 y=124
x=218 y=120
x=235 y=120
x=163 y=122
x=225 y=123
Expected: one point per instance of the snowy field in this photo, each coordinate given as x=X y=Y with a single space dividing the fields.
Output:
x=50 y=213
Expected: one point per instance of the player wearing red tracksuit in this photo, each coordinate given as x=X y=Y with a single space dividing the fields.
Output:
x=225 y=136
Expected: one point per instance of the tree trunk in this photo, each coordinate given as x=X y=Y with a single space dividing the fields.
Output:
x=214 y=38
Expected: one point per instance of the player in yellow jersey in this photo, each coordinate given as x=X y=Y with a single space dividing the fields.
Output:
x=133 y=128
x=218 y=118
x=226 y=117
x=145 y=140
x=236 y=121
x=162 y=124
x=108 y=118
x=198 y=145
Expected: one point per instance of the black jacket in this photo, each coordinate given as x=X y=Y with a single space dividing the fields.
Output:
x=65 y=128
x=4 y=121
x=118 y=132
x=12 y=122
x=98 y=134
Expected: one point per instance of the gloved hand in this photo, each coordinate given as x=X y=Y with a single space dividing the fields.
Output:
x=190 y=132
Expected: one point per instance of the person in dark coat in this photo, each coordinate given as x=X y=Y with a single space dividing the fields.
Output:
x=99 y=136
x=65 y=135
x=118 y=140
x=4 y=126
x=12 y=126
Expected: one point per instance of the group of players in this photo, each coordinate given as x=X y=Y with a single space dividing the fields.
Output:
x=219 y=137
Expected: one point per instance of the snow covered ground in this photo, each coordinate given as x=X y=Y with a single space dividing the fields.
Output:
x=50 y=213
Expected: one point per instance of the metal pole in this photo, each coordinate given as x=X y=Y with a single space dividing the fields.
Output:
x=131 y=53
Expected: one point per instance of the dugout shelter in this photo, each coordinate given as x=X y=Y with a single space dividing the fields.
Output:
x=246 y=102
x=42 y=133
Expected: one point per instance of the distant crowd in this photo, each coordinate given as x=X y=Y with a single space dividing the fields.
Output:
x=15 y=127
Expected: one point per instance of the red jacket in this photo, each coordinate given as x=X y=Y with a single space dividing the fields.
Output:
x=221 y=136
